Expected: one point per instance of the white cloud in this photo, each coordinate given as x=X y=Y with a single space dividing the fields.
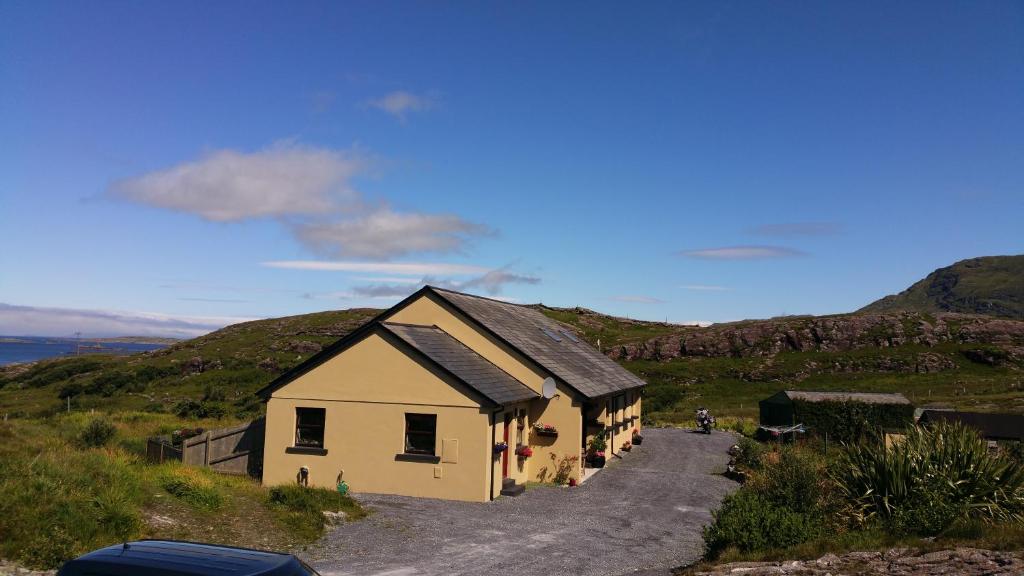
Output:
x=228 y=185
x=384 y=234
x=400 y=103
x=41 y=321
x=309 y=189
x=493 y=281
x=742 y=253
x=637 y=299
x=400 y=268
x=705 y=288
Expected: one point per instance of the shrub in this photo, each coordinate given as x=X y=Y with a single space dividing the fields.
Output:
x=191 y=486
x=196 y=410
x=750 y=454
x=750 y=523
x=303 y=508
x=932 y=478
x=796 y=481
x=97 y=433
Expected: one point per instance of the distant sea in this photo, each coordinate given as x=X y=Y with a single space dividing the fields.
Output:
x=14 y=349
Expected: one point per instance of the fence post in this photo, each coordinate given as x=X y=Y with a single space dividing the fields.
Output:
x=206 y=456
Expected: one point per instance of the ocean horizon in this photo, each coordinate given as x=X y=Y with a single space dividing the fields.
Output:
x=21 y=349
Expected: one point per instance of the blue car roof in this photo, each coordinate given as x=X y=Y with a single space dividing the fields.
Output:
x=170 y=558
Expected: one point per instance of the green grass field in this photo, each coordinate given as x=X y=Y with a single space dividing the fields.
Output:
x=60 y=498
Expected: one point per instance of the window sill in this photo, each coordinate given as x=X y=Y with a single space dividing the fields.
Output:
x=417 y=458
x=306 y=450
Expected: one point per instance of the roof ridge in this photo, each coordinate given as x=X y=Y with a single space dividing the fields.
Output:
x=477 y=296
x=410 y=325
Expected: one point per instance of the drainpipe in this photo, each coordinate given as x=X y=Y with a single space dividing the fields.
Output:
x=490 y=453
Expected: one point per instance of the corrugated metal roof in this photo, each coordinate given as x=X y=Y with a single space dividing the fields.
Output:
x=575 y=362
x=473 y=369
x=866 y=397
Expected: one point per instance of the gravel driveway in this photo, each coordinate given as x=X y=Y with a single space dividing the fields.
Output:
x=642 y=513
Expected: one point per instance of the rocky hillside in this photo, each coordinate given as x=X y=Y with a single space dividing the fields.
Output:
x=840 y=333
x=992 y=285
x=965 y=360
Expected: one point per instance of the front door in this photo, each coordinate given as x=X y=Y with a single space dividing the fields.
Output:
x=504 y=455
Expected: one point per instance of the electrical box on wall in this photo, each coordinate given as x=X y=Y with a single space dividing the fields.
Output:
x=450 y=451
x=437 y=471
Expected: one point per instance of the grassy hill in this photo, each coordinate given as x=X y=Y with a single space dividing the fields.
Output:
x=991 y=285
x=210 y=376
x=960 y=360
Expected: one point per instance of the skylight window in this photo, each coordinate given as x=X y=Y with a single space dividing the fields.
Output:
x=551 y=334
x=570 y=336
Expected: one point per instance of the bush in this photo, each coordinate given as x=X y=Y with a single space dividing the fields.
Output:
x=931 y=479
x=191 y=486
x=302 y=508
x=97 y=433
x=751 y=523
x=796 y=480
x=196 y=410
x=750 y=454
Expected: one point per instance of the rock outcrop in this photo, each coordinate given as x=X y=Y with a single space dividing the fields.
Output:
x=765 y=338
x=895 y=562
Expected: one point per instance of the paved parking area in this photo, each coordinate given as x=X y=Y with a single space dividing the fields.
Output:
x=642 y=513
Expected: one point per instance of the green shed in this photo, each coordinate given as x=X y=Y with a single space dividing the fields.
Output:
x=841 y=415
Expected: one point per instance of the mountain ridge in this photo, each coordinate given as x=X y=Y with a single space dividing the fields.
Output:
x=990 y=285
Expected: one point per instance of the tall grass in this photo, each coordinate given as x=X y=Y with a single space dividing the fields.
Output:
x=60 y=498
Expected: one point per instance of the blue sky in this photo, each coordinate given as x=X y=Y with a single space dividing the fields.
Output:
x=171 y=167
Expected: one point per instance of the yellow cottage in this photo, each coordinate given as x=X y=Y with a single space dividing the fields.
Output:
x=421 y=400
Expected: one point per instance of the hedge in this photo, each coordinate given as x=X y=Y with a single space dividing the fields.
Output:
x=850 y=421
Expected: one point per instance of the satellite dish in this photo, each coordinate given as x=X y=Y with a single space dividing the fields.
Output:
x=547 y=389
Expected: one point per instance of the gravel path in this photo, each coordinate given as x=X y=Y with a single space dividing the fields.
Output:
x=644 y=512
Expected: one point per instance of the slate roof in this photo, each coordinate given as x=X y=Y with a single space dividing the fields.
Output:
x=991 y=426
x=569 y=358
x=474 y=370
x=866 y=397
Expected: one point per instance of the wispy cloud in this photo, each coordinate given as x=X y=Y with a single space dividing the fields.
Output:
x=41 y=321
x=386 y=279
x=386 y=234
x=400 y=103
x=637 y=299
x=492 y=282
x=309 y=189
x=705 y=288
x=400 y=268
x=215 y=300
x=742 y=253
x=791 y=229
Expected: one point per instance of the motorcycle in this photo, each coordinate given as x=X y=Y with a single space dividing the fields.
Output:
x=705 y=421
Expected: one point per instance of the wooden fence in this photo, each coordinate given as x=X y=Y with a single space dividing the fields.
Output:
x=237 y=450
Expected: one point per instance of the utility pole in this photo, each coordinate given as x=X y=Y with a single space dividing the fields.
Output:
x=78 y=343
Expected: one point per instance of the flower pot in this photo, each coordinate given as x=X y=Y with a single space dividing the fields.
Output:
x=637 y=440
x=596 y=461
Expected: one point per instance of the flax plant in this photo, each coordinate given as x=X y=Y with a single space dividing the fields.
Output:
x=932 y=478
